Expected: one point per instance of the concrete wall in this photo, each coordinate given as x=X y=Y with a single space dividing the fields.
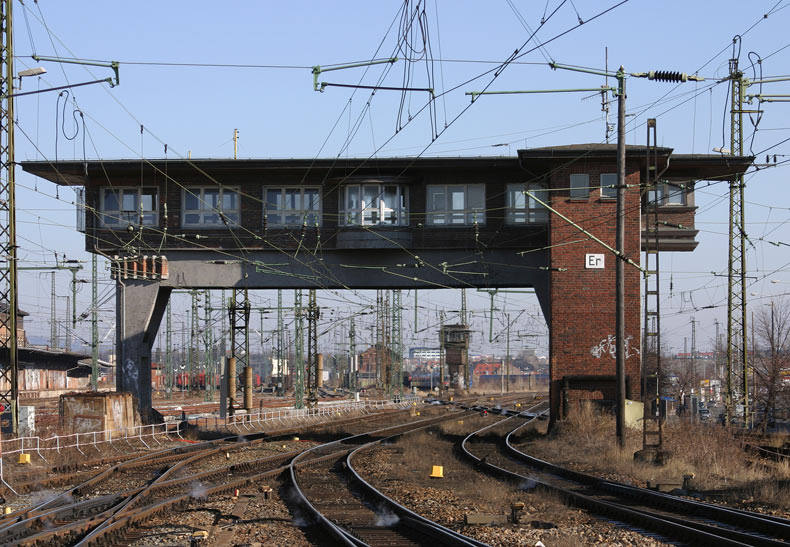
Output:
x=86 y=412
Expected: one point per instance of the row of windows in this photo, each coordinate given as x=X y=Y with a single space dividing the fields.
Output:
x=362 y=204
x=664 y=194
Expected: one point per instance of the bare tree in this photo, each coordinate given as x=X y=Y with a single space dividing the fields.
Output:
x=772 y=357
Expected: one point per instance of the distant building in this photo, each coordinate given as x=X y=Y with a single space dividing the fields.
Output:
x=20 y=325
x=484 y=369
x=425 y=353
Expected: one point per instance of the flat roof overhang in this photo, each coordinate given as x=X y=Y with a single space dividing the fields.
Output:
x=76 y=173
x=670 y=165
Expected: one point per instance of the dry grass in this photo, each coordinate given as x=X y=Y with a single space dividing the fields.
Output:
x=586 y=441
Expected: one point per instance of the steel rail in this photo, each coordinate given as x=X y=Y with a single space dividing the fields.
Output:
x=698 y=533
x=425 y=525
x=777 y=526
x=338 y=532
x=114 y=506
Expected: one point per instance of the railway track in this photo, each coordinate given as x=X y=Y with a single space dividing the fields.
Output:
x=88 y=512
x=328 y=489
x=650 y=512
x=109 y=506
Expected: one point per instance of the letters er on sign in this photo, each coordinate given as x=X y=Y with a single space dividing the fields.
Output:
x=594 y=261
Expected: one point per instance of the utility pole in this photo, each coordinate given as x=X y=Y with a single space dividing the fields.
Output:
x=313 y=313
x=737 y=335
x=619 y=263
x=352 y=348
x=693 y=349
x=397 y=342
x=208 y=342
x=67 y=332
x=194 y=352
x=169 y=352
x=441 y=352
x=94 y=322
x=223 y=325
x=53 y=317
x=182 y=362
x=507 y=357
x=716 y=351
x=465 y=322
x=280 y=367
x=299 y=352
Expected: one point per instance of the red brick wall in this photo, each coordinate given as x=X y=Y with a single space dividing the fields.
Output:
x=582 y=323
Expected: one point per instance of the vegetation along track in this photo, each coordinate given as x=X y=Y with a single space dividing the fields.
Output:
x=354 y=513
x=671 y=517
x=87 y=513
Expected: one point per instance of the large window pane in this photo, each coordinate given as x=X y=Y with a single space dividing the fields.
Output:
x=676 y=194
x=370 y=196
x=476 y=197
x=274 y=199
x=210 y=199
x=457 y=201
x=608 y=185
x=148 y=199
x=129 y=200
x=111 y=200
x=230 y=200
x=192 y=200
x=311 y=199
x=437 y=201
x=580 y=186
x=352 y=197
x=292 y=199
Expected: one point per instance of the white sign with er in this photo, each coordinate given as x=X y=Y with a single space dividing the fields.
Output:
x=594 y=261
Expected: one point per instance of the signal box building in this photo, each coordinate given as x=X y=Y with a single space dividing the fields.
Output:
x=403 y=223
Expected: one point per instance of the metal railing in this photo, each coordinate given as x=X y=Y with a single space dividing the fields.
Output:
x=147 y=434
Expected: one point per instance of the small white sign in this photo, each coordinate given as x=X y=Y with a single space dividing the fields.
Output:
x=594 y=261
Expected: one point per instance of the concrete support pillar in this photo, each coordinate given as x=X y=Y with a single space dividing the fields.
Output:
x=140 y=307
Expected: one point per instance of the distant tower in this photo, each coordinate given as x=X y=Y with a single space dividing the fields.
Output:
x=455 y=343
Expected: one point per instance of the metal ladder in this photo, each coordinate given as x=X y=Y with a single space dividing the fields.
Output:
x=652 y=430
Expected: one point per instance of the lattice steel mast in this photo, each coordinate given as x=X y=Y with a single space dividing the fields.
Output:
x=9 y=393
x=299 y=349
x=737 y=348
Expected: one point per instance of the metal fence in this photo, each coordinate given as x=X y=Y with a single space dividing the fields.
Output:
x=147 y=434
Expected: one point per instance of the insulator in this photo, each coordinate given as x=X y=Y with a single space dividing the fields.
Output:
x=667 y=76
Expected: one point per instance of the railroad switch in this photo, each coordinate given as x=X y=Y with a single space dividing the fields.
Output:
x=267 y=492
x=198 y=537
x=515 y=511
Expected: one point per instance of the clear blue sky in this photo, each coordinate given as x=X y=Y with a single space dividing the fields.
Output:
x=268 y=97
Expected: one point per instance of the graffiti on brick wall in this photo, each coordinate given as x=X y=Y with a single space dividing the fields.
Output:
x=608 y=346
